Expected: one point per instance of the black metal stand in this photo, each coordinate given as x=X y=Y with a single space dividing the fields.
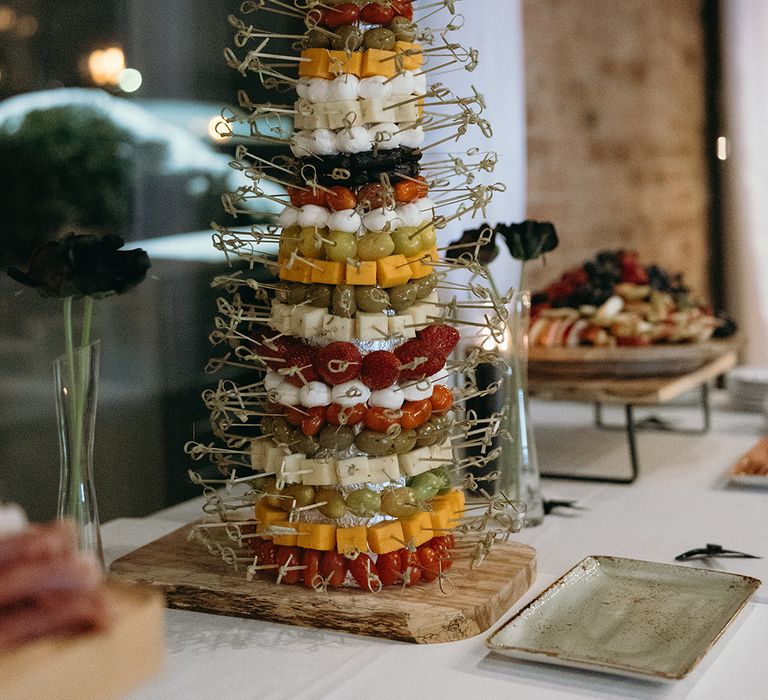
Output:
x=631 y=426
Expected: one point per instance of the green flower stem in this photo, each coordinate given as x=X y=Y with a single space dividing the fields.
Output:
x=85 y=334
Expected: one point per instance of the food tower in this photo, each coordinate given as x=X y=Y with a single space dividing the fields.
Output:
x=341 y=441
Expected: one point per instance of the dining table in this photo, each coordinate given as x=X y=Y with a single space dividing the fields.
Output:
x=681 y=500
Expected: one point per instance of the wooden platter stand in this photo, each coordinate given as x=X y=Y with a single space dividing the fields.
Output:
x=192 y=579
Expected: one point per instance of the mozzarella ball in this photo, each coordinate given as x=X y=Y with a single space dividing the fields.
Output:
x=313 y=215
x=347 y=220
x=385 y=135
x=350 y=393
x=353 y=140
x=392 y=398
x=288 y=217
x=375 y=88
x=315 y=394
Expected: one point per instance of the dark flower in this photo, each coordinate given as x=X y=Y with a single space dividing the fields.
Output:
x=530 y=239
x=83 y=264
x=479 y=242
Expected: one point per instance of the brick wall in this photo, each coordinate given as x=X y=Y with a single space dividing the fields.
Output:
x=615 y=116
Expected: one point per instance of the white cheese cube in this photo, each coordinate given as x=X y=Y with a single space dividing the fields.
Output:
x=415 y=462
x=383 y=469
x=338 y=328
x=273 y=458
x=311 y=323
x=408 y=112
x=343 y=113
x=372 y=326
x=374 y=112
x=402 y=326
x=442 y=455
x=289 y=468
x=319 y=472
x=280 y=318
x=420 y=313
x=258 y=454
x=354 y=470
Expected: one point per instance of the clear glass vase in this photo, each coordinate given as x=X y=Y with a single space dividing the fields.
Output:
x=518 y=464
x=77 y=381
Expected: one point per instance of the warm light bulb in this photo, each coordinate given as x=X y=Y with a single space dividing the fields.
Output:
x=106 y=66
x=219 y=129
x=7 y=18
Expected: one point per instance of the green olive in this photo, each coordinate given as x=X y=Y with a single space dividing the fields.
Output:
x=272 y=495
x=426 y=285
x=348 y=38
x=316 y=39
x=403 y=29
x=364 y=503
x=379 y=38
x=298 y=495
x=319 y=295
x=399 y=502
x=337 y=437
x=305 y=444
x=334 y=507
x=289 y=241
x=283 y=431
x=267 y=425
x=371 y=299
x=344 y=301
x=444 y=478
x=373 y=443
x=403 y=296
x=425 y=486
x=405 y=441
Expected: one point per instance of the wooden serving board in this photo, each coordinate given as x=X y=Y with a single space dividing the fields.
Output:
x=192 y=579
x=94 y=666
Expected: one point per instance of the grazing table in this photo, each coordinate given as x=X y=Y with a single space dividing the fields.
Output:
x=680 y=500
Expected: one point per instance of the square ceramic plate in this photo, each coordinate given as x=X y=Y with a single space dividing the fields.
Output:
x=752 y=467
x=625 y=616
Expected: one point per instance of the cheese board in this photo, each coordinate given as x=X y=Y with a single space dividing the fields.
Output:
x=626 y=362
x=473 y=601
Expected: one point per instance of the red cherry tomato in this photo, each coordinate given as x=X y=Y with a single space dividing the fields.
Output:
x=340 y=198
x=334 y=565
x=312 y=196
x=430 y=563
x=441 y=545
x=345 y=415
x=389 y=568
x=289 y=557
x=380 y=419
x=252 y=543
x=403 y=8
x=407 y=191
x=267 y=555
x=311 y=563
x=441 y=399
x=295 y=194
x=415 y=413
x=376 y=13
x=365 y=572
x=346 y=13
x=294 y=415
x=410 y=567
x=313 y=423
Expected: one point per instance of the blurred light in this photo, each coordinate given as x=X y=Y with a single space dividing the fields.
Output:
x=722 y=147
x=129 y=80
x=106 y=66
x=26 y=26
x=219 y=129
x=7 y=18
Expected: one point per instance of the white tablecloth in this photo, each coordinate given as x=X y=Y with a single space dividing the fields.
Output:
x=680 y=501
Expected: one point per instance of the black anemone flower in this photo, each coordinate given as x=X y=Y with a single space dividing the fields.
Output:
x=479 y=242
x=530 y=239
x=83 y=264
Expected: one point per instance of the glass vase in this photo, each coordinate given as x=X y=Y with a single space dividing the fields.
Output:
x=518 y=465
x=77 y=382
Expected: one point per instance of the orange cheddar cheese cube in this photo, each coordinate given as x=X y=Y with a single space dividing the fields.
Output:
x=315 y=64
x=418 y=268
x=287 y=539
x=458 y=503
x=298 y=272
x=393 y=270
x=320 y=536
x=410 y=54
x=351 y=538
x=386 y=536
x=365 y=274
x=441 y=516
x=378 y=62
x=267 y=515
x=343 y=63
x=328 y=272
x=417 y=528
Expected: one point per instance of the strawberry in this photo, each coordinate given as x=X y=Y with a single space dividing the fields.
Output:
x=439 y=336
x=426 y=360
x=298 y=368
x=270 y=348
x=380 y=369
x=338 y=362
